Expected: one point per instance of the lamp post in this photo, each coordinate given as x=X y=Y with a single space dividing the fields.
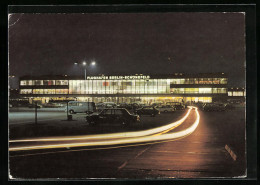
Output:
x=147 y=91
x=85 y=64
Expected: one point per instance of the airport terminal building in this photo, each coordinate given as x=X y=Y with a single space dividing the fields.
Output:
x=177 y=87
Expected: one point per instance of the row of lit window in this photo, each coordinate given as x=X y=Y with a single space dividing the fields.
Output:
x=200 y=81
x=110 y=83
x=146 y=100
x=150 y=82
x=44 y=82
x=161 y=90
x=198 y=90
x=119 y=87
x=236 y=93
x=44 y=91
x=198 y=99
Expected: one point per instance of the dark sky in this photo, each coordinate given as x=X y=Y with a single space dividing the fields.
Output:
x=122 y=43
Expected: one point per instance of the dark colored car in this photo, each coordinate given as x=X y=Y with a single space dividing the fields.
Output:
x=147 y=111
x=229 y=106
x=179 y=106
x=166 y=108
x=33 y=106
x=50 y=105
x=113 y=115
x=199 y=105
x=214 y=107
x=136 y=106
x=125 y=105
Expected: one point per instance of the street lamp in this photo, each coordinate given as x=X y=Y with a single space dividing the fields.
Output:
x=93 y=63
x=85 y=64
x=147 y=91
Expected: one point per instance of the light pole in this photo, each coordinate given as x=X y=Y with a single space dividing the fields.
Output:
x=85 y=64
x=147 y=91
x=85 y=68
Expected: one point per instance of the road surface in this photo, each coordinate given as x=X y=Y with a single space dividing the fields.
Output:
x=201 y=154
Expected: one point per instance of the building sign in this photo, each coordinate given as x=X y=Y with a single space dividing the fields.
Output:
x=143 y=77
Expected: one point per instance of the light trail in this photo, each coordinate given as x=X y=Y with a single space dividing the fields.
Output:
x=113 y=135
x=144 y=139
x=99 y=148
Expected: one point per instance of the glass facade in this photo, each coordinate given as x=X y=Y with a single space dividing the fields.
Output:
x=117 y=89
x=151 y=86
x=128 y=83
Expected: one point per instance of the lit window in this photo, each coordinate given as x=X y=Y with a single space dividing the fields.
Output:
x=205 y=99
x=37 y=91
x=61 y=82
x=38 y=82
x=216 y=81
x=205 y=90
x=22 y=82
x=26 y=91
x=51 y=82
x=26 y=82
x=45 y=82
x=191 y=90
x=223 y=81
x=238 y=93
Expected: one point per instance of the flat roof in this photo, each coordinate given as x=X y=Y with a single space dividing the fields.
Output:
x=153 y=76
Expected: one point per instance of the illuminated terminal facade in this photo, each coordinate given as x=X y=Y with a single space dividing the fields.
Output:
x=177 y=87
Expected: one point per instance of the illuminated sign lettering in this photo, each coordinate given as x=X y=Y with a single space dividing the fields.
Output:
x=117 y=77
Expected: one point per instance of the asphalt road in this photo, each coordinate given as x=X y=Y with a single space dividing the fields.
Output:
x=199 y=155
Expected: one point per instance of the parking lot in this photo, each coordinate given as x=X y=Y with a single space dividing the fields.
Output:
x=201 y=154
x=52 y=122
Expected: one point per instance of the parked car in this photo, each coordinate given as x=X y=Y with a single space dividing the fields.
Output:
x=125 y=105
x=51 y=105
x=33 y=106
x=113 y=115
x=80 y=107
x=100 y=106
x=166 y=108
x=199 y=105
x=136 y=105
x=214 y=107
x=147 y=111
x=103 y=105
x=110 y=104
x=229 y=106
x=157 y=104
x=177 y=105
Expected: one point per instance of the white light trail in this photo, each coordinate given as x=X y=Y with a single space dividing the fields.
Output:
x=113 y=135
x=143 y=139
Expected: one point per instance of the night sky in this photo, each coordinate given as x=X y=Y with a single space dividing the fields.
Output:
x=128 y=43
